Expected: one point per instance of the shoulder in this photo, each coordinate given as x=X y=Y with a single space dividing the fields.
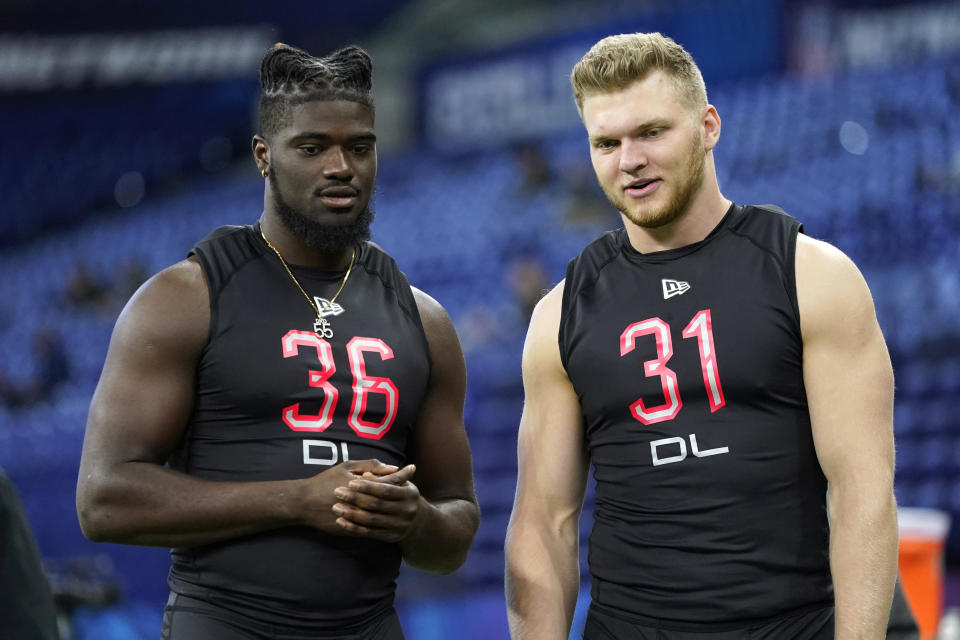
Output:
x=430 y=310
x=549 y=307
x=771 y=210
x=602 y=249
x=542 y=343
x=586 y=268
x=768 y=227
x=381 y=265
x=376 y=259
x=448 y=368
x=819 y=252
x=227 y=233
x=171 y=307
x=820 y=263
x=763 y=214
x=225 y=250
x=831 y=291
x=178 y=284
x=437 y=324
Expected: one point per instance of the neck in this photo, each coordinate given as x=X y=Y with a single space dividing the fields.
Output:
x=296 y=252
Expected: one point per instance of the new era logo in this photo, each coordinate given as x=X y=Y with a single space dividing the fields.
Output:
x=674 y=287
x=327 y=309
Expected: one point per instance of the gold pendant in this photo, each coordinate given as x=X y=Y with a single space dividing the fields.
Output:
x=321 y=326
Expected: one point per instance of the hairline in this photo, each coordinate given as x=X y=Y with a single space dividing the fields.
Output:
x=691 y=103
x=291 y=101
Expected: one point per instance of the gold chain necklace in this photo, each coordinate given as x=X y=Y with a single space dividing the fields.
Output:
x=321 y=326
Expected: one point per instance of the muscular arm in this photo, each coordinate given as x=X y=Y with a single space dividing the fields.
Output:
x=543 y=573
x=433 y=515
x=849 y=383
x=138 y=415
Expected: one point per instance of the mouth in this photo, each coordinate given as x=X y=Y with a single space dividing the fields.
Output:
x=339 y=197
x=642 y=188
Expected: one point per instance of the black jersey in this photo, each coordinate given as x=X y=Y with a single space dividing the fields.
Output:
x=710 y=501
x=276 y=401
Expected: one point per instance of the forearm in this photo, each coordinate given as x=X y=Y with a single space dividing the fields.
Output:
x=863 y=561
x=146 y=504
x=441 y=535
x=542 y=582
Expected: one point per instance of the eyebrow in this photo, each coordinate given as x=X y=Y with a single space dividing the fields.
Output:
x=653 y=123
x=318 y=135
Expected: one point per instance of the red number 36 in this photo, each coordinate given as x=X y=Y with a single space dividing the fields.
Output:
x=363 y=385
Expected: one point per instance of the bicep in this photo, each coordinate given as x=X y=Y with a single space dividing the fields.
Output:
x=846 y=367
x=439 y=446
x=145 y=393
x=552 y=459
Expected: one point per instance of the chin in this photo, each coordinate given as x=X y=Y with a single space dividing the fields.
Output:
x=648 y=217
x=656 y=220
x=335 y=216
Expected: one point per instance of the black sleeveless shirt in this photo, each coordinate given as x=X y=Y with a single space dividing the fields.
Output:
x=710 y=502
x=275 y=401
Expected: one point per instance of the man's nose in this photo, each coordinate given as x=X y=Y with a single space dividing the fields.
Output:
x=633 y=156
x=336 y=165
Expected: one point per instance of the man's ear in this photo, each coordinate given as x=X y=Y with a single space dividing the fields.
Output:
x=261 y=154
x=710 y=120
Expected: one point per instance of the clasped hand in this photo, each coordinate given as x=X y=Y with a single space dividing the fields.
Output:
x=382 y=507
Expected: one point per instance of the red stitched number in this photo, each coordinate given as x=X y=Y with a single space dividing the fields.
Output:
x=701 y=328
x=661 y=331
x=297 y=421
x=362 y=385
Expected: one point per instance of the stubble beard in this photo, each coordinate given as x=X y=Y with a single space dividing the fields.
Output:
x=322 y=237
x=678 y=203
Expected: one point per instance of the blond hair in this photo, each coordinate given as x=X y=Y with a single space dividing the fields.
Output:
x=618 y=61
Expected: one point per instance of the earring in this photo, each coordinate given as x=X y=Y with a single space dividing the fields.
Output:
x=263 y=172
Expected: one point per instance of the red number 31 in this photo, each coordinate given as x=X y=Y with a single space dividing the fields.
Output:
x=701 y=328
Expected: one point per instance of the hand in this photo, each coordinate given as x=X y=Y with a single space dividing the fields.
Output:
x=316 y=510
x=379 y=506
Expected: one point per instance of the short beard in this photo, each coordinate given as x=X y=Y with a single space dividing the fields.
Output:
x=678 y=204
x=325 y=238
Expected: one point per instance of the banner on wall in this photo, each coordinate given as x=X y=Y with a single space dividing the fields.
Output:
x=827 y=38
x=524 y=92
x=41 y=63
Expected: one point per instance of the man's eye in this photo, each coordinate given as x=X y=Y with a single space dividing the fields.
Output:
x=653 y=133
x=361 y=149
x=310 y=150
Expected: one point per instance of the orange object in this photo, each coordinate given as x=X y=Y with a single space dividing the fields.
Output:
x=923 y=533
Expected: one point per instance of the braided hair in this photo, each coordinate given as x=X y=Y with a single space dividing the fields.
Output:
x=290 y=77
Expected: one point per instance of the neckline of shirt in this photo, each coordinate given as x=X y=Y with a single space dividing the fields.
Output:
x=672 y=254
x=302 y=271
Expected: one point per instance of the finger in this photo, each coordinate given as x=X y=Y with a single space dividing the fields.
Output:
x=398 y=477
x=370 y=520
x=398 y=504
x=384 y=473
x=372 y=465
x=383 y=490
x=365 y=532
x=367 y=494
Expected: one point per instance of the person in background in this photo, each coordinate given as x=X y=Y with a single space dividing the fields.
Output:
x=27 y=610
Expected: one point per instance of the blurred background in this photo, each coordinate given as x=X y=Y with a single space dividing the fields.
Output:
x=128 y=129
